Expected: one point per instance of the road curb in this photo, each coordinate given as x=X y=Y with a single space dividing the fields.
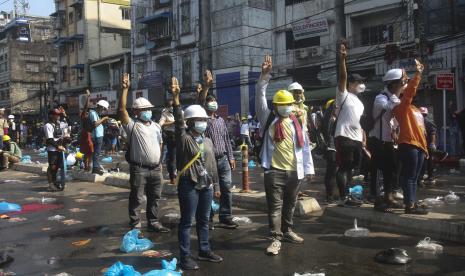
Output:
x=30 y=168
x=434 y=225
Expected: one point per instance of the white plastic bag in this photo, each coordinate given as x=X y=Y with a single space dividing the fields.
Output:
x=451 y=198
x=56 y=218
x=438 y=201
x=427 y=245
x=356 y=231
x=309 y=274
x=241 y=220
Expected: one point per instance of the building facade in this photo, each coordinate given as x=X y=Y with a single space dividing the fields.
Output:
x=28 y=66
x=94 y=45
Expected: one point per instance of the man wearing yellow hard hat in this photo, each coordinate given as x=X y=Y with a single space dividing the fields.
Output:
x=10 y=153
x=285 y=157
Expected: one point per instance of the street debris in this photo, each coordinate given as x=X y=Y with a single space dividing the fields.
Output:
x=393 y=256
x=46 y=229
x=120 y=269
x=71 y=222
x=357 y=192
x=356 y=231
x=77 y=210
x=5 y=258
x=451 y=198
x=52 y=260
x=242 y=220
x=6 y=273
x=7 y=207
x=81 y=243
x=63 y=274
x=4 y=217
x=84 y=200
x=156 y=254
x=427 y=245
x=48 y=200
x=309 y=274
x=132 y=243
x=17 y=219
x=437 y=201
x=26 y=159
x=56 y=218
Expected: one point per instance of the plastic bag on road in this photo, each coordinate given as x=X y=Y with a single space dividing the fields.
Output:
x=107 y=159
x=57 y=217
x=438 y=201
x=309 y=274
x=451 y=198
x=71 y=159
x=120 y=269
x=356 y=231
x=242 y=220
x=427 y=245
x=168 y=269
x=6 y=207
x=132 y=243
x=26 y=159
x=356 y=191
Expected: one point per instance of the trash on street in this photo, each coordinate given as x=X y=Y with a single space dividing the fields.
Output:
x=427 y=245
x=132 y=243
x=356 y=231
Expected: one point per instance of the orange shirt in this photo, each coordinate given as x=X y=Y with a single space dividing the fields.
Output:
x=412 y=127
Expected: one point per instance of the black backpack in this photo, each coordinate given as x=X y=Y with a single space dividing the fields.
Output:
x=367 y=121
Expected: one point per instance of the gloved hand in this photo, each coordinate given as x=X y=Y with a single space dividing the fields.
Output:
x=432 y=147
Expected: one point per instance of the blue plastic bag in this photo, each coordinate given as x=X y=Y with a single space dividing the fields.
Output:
x=356 y=191
x=168 y=269
x=26 y=159
x=132 y=243
x=6 y=207
x=252 y=164
x=120 y=269
x=215 y=206
x=107 y=159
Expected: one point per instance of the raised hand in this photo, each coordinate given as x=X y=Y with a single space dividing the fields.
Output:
x=175 y=90
x=342 y=51
x=208 y=79
x=198 y=88
x=87 y=93
x=267 y=65
x=125 y=83
x=420 y=66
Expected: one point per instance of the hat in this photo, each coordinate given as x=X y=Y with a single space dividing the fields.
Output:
x=195 y=111
x=393 y=74
x=141 y=103
x=103 y=104
x=11 y=116
x=355 y=77
x=54 y=111
x=6 y=138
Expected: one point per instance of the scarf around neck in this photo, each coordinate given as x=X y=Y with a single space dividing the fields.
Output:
x=279 y=131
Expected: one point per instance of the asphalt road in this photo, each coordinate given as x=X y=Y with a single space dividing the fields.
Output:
x=43 y=247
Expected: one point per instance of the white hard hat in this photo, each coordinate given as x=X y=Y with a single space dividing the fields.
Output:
x=393 y=74
x=11 y=116
x=295 y=86
x=195 y=111
x=103 y=104
x=141 y=103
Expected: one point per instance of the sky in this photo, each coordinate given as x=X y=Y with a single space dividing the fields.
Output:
x=37 y=7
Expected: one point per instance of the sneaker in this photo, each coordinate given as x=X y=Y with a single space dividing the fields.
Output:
x=157 y=227
x=274 y=248
x=209 y=256
x=228 y=224
x=292 y=237
x=398 y=195
x=52 y=188
x=137 y=226
x=188 y=263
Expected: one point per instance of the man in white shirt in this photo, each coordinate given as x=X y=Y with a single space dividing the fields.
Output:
x=349 y=135
x=53 y=138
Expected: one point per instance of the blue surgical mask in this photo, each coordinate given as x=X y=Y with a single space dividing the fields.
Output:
x=285 y=110
x=212 y=106
x=200 y=127
x=146 y=115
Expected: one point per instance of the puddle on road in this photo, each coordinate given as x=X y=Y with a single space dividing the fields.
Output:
x=101 y=230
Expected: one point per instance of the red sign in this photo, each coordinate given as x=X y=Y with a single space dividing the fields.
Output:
x=445 y=81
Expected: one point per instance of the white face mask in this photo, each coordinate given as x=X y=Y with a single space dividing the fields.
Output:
x=200 y=126
x=285 y=110
x=360 y=88
x=212 y=106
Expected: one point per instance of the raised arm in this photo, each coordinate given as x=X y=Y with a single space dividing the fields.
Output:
x=412 y=86
x=178 y=118
x=207 y=84
x=87 y=103
x=342 y=80
x=261 y=106
x=122 y=112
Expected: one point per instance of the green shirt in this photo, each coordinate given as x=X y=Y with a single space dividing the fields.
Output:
x=15 y=150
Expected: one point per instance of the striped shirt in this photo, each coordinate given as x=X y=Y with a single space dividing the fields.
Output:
x=218 y=133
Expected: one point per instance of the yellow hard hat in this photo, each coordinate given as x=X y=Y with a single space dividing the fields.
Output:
x=6 y=138
x=79 y=155
x=283 y=97
x=328 y=103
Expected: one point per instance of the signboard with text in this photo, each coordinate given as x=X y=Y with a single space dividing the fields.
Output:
x=445 y=81
x=310 y=28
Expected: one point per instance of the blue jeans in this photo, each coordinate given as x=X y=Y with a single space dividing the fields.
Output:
x=411 y=159
x=193 y=202
x=98 y=141
x=224 y=175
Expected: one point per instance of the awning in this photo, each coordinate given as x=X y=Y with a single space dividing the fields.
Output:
x=77 y=3
x=108 y=61
x=78 y=66
x=148 y=19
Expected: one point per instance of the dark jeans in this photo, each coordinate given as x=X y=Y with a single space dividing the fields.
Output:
x=224 y=175
x=144 y=181
x=170 y=141
x=330 y=173
x=427 y=166
x=97 y=149
x=411 y=159
x=348 y=157
x=281 y=188
x=382 y=159
x=193 y=202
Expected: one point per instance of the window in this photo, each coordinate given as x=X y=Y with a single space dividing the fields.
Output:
x=71 y=18
x=140 y=34
x=30 y=57
x=185 y=17
x=160 y=29
x=71 y=47
x=186 y=72
x=64 y=74
x=380 y=34
x=32 y=67
x=126 y=40
x=126 y=14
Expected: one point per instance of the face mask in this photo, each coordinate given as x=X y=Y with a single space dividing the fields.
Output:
x=146 y=115
x=212 y=106
x=200 y=127
x=285 y=111
x=360 y=88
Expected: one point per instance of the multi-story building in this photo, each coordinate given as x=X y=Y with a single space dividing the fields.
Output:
x=94 y=48
x=28 y=66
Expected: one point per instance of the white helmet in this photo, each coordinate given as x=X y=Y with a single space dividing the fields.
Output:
x=393 y=74
x=295 y=86
x=195 y=111
x=11 y=116
x=141 y=103
x=103 y=104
